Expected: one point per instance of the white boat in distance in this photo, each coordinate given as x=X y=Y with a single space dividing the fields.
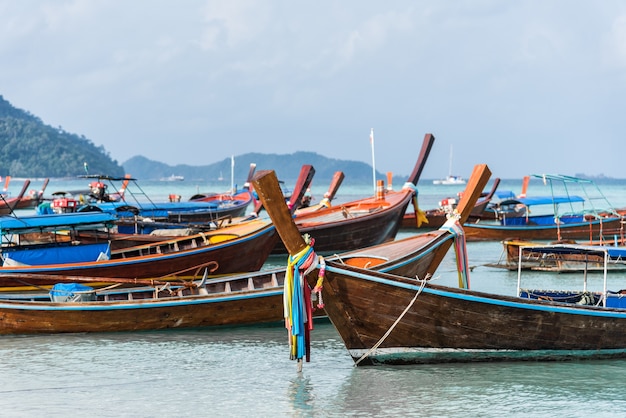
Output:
x=173 y=177
x=450 y=179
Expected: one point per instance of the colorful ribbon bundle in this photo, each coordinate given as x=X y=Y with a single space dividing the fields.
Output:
x=298 y=308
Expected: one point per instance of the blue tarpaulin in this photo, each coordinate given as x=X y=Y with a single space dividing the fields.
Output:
x=57 y=254
x=542 y=200
x=63 y=292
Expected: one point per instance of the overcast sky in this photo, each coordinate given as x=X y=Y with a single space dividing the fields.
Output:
x=524 y=86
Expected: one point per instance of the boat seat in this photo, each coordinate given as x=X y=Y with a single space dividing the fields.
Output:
x=216 y=239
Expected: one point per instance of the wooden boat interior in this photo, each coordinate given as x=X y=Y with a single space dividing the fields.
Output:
x=342 y=212
x=111 y=291
x=379 y=255
x=189 y=242
x=587 y=259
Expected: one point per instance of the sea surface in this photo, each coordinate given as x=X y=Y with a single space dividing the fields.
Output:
x=246 y=371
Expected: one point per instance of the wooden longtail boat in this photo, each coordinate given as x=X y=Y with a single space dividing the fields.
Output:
x=390 y=319
x=558 y=261
x=577 y=224
x=151 y=304
x=437 y=217
x=334 y=291
x=22 y=201
x=129 y=304
x=590 y=229
x=233 y=203
x=363 y=222
x=239 y=248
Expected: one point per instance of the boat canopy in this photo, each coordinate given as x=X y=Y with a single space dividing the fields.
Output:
x=56 y=254
x=163 y=208
x=24 y=224
x=608 y=253
x=614 y=253
x=542 y=200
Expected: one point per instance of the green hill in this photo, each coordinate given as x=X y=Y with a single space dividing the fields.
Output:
x=30 y=148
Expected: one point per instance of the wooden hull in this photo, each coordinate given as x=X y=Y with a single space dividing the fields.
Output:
x=246 y=249
x=356 y=225
x=591 y=230
x=445 y=324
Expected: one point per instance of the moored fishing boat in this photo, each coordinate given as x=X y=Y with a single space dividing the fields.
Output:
x=583 y=221
x=304 y=262
x=389 y=319
x=238 y=248
x=363 y=222
x=560 y=261
x=104 y=304
x=22 y=200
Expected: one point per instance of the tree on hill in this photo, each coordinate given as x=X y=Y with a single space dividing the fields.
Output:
x=29 y=148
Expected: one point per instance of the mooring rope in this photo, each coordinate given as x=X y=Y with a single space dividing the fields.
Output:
x=384 y=337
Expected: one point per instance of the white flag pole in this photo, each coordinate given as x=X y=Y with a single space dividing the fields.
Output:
x=373 y=159
x=232 y=174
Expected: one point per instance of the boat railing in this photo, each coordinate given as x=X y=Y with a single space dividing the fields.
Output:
x=584 y=251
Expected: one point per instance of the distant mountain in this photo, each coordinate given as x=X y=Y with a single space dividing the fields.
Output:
x=30 y=148
x=287 y=167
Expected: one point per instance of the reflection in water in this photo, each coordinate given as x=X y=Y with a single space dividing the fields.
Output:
x=301 y=394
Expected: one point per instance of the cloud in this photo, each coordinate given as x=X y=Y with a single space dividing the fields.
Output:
x=221 y=78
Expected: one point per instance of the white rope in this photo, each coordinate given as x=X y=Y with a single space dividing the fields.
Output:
x=384 y=337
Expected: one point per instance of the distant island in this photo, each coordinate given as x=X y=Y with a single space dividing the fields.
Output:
x=287 y=167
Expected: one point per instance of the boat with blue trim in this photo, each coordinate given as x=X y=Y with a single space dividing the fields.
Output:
x=390 y=319
x=566 y=216
x=357 y=308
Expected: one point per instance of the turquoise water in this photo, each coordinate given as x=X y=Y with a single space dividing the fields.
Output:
x=247 y=371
